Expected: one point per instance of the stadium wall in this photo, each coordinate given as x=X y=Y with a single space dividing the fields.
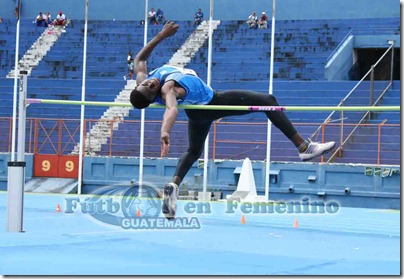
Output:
x=353 y=185
x=223 y=9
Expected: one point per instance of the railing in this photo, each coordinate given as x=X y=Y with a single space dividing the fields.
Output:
x=345 y=101
x=229 y=140
x=58 y=130
x=328 y=131
x=43 y=135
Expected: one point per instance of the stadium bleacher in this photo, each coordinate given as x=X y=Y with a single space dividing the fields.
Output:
x=240 y=61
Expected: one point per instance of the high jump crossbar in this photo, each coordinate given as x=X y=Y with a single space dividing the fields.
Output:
x=216 y=107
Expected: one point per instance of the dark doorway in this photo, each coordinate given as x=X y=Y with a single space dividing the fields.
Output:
x=369 y=56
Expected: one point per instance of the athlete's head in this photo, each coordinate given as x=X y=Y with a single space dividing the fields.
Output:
x=145 y=93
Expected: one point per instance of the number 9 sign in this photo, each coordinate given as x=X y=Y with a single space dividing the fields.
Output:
x=62 y=166
x=46 y=165
x=68 y=166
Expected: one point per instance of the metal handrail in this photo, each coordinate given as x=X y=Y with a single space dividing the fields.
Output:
x=352 y=90
x=356 y=127
x=339 y=149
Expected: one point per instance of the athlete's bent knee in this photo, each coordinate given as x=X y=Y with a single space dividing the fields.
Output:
x=271 y=100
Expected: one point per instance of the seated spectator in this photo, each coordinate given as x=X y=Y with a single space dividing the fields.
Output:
x=198 y=18
x=60 y=19
x=252 y=21
x=41 y=20
x=152 y=17
x=48 y=18
x=160 y=18
x=263 y=22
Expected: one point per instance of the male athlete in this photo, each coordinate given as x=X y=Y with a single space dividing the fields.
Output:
x=170 y=86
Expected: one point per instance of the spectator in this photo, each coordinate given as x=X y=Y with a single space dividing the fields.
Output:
x=160 y=18
x=263 y=22
x=130 y=56
x=60 y=19
x=48 y=18
x=152 y=17
x=198 y=18
x=1 y=20
x=252 y=21
x=129 y=61
x=41 y=20
x=131 y=68
x=17 y=9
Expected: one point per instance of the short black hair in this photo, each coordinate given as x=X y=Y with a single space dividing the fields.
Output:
x=138 y=100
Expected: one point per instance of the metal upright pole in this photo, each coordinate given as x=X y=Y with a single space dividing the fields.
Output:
x=209 y=76
x=83 y=97
x=16 y=169
x=372 y=88
x=269 y=126
x=392 y=64
x=143 y=111
x=13 y=125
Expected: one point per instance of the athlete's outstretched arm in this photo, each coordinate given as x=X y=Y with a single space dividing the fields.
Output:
x=169 y=29
x=169 y=93
x=170 y=116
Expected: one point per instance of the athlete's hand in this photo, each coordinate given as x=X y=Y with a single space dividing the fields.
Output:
x=165 y=143
x=169 y=29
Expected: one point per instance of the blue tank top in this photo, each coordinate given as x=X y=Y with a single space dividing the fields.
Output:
x=196 y=91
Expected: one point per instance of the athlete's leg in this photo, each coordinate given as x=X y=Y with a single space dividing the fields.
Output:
x=307 y=150
x=200 y=121
x=197 y=132
x=250 y=98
